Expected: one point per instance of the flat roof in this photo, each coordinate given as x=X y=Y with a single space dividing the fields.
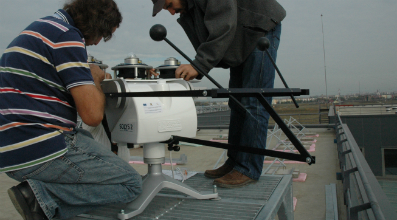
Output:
x=309 y=194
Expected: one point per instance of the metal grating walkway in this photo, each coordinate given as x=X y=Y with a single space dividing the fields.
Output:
x=260 y=191
x=241 y=203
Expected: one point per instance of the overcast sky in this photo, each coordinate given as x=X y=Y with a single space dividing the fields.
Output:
x=360 y=38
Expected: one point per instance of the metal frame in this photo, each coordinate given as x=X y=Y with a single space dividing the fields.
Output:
x=216 y=93
x=363 y=196
x=276 y=132
x=282 y=205
x=152 y=183
x=271 y=196
x=260 y=94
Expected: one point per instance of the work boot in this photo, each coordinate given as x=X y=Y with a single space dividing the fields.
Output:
x=25 y=202
x=233 y=179
x=219 y=172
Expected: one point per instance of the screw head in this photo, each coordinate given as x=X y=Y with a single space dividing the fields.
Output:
x=215 y=189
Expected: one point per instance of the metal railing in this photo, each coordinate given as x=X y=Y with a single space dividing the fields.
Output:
x=303 y=118
x=211 y=108
x=222 y=121
x=213 y=121
x=363 y=196
x=366 y=109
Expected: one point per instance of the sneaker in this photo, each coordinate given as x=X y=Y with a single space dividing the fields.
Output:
x=233 y=179
x=25 y=202
x=219 y=172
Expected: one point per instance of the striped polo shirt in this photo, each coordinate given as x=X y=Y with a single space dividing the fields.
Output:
x=36 y=72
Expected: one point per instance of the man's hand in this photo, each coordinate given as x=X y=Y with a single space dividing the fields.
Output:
x=108 y=76
x=98 y=75
x=152 y=72
x=186 y=71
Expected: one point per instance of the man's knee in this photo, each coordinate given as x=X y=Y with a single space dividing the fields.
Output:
x=134 y=187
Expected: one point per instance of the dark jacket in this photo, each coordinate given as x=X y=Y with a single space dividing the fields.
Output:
x=225 y=32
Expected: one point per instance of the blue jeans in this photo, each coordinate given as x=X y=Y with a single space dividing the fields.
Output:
x=256 y=72
x=88 y=176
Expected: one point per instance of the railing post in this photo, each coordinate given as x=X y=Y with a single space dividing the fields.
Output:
x=346 y=178
x=342 y=158
x=354 y=210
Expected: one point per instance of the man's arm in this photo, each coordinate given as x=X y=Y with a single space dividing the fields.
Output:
x=89 y=99
x=220 y=21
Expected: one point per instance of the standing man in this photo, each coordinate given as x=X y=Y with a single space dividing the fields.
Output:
x=224 y=34
x=45 y=81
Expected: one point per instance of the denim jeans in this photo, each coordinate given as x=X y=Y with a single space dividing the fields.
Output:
x=88 y=176
x=256 y=72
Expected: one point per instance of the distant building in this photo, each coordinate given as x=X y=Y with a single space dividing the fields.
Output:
x=373 y=128
x=387 y=96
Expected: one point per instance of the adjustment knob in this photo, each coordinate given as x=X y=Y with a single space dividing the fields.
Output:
x=177 y=148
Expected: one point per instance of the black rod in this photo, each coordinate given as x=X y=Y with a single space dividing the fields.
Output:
x=263 y=44
x=214 y=93
x=200 y=71
x=158 y=33
x=298 y=145
x=281 y=77
x=252 y=150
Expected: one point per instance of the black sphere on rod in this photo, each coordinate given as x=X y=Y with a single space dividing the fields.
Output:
x=158 y=32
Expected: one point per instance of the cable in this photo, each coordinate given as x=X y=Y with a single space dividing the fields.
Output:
x=172 y=166
x=182 y=174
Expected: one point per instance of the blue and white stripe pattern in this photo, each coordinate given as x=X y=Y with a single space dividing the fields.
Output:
x=36 y=72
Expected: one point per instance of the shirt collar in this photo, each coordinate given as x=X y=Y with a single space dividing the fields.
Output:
x=64 y=16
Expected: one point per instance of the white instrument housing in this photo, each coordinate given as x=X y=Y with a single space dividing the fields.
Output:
x=140 y=120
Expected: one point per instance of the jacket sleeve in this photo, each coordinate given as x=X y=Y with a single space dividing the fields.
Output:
x=220 y=19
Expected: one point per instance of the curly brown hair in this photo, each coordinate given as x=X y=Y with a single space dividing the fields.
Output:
x=94 y=18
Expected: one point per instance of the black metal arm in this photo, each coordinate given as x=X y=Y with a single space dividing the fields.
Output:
x=215 y=93
x=260 y=94
x=263 y=45
x=303 y=157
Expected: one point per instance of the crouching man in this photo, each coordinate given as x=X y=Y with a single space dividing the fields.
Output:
x=45 y=81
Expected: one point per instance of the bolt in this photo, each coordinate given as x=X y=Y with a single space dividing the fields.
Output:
x=204 y=93
x=308 y=160
x=215 y=189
